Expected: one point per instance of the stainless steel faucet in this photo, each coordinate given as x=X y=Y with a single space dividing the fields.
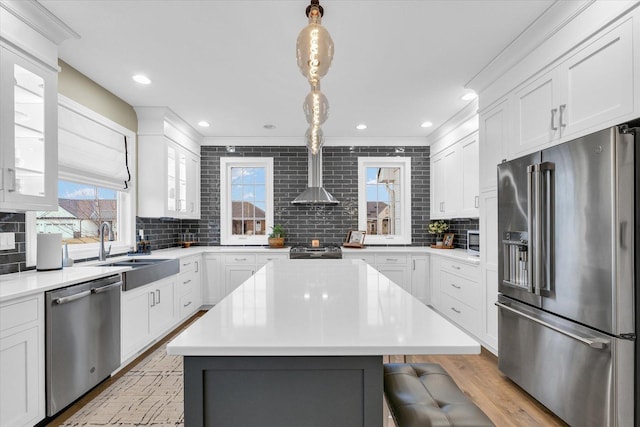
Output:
x=102 y=254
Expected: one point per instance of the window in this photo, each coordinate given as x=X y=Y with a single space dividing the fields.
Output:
x=384 y=199
x=246 y=200
x=96 y=160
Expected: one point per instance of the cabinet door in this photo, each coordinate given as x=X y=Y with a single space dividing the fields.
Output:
x=494 y=136
x=213 y=289
x=397 y=274
x=537 y=115
x=420 y=278
x=28 y=134
x=193 y=187
x=134 y=323
x=437 y=186
x=599 y=82
x=434 y=281
x=452 y=182
x=489 y=241
x=20 y=385
x=173 y=201
x=235 y=275
x=181 y=182
x=162 y=313
x=469 y=169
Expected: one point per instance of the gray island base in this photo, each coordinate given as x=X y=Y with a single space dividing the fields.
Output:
x=272 y=391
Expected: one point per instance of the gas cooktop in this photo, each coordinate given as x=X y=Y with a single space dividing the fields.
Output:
x=306 y=252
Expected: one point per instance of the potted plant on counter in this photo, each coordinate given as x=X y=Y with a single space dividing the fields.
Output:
x=276 y=237
x=437 y=228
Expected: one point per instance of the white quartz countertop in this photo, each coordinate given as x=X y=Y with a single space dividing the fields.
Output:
x=324 y=308
x=17 y=285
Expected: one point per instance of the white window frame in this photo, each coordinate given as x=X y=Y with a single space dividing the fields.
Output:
x=226 y=164
x=403 y=237
x=126 y=201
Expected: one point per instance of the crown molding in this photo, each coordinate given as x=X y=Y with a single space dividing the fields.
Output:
x=299 y=141
x=469 y=112
x=39 y=19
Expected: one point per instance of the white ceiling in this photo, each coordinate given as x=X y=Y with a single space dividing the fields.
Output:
x=397 y=63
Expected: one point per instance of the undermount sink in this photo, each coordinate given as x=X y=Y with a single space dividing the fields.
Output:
x=144 y=271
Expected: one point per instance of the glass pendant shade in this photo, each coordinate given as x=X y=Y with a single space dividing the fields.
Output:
x=315 y=139
x=314 y=51
x=316 y=108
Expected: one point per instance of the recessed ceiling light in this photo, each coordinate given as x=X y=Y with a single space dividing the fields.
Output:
x=203 y=124
x=426 y=124
x=269 y=126
x=361 y=126
x=469 y=96
x=142 y=79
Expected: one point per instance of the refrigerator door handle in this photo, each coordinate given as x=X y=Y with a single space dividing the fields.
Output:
x=534 y=226
x=547 y=222
x=597 y=343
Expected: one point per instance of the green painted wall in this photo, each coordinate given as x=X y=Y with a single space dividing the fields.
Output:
x=77 y=86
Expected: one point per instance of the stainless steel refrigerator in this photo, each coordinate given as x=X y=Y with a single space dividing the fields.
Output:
x=567 y=298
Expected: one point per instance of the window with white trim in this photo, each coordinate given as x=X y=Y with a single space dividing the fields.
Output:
x=384 y=199
x=246 y=200
x=96 y=163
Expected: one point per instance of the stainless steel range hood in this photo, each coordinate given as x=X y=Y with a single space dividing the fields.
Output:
x=315 y=194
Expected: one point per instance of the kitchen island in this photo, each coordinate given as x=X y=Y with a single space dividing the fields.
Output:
x=301 y=343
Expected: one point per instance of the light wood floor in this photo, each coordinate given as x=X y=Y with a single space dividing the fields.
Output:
x=498 y=397
x=477 y=375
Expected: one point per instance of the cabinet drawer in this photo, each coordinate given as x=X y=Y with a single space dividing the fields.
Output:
x=467 y=270
x=460 y=288
x=387 y=259
x=187 y=304
x=240 y=259
x=368 y=258
x=265 y=258
x=18 y=313
x=460 y=313
x=185 y=282
x=189 y=264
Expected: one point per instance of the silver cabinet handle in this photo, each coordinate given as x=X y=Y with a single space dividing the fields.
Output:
x=158 y=292
x=455 y=267
x=240 y=259
x=477 y=201
x=12 y=179
x=597 y=343
x=392 y=259
x=413 y=264
x=186 y=282
x=563 y=107
x=186 y=264
x=457 y=311
x=455 y=286
x=106 y=288
x=197 y=266
x=187 y=304
x=73 y=297
x=553 y=119
x=152 y=296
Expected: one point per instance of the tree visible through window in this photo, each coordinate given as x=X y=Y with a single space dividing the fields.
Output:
x=81 y=210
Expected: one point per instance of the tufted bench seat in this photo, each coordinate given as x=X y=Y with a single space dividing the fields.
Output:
x=424 y=395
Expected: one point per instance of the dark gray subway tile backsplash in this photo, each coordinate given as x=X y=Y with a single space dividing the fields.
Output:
x=329 y=224
x=13 y=260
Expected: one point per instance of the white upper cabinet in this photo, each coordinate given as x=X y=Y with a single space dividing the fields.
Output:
x=29 y=40
x=454 y=180
x=494 y=136
x=168 y=166
x=589 y=90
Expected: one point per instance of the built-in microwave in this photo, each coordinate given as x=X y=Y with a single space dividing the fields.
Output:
x=473 y=242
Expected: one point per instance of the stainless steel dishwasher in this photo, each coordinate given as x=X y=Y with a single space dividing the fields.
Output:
x=82 y=339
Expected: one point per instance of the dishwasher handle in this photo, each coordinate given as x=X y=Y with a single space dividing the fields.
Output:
x=71 y=298
x=106 y=288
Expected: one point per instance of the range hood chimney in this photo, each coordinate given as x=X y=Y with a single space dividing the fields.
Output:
x=315 y=194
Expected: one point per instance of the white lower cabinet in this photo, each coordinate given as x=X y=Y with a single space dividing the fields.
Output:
x=146 y=313
x=237 y=269
x=213 y=289
x=457 y=293
x=22 y=400
x=188 y=286
x=420 y=278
